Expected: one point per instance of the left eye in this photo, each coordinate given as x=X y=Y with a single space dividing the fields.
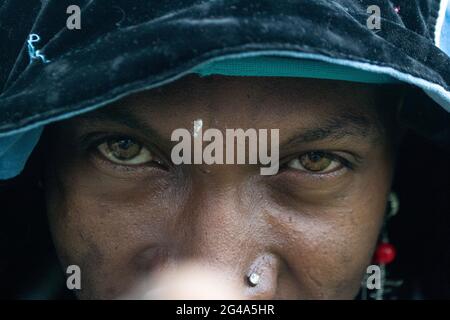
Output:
x=315 y=162
x=125 y=151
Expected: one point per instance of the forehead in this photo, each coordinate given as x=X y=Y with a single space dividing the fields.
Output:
x=240 y=101
x=312 y=108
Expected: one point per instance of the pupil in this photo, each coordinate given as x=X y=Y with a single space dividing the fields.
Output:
x=125 y=144
x=315 y=156
x=124 y=149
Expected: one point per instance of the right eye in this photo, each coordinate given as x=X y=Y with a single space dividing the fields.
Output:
x=125 y=151
x=315 y=162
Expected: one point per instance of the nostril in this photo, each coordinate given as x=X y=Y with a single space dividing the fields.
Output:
x=262 y=277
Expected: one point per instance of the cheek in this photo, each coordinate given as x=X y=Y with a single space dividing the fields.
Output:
x=329 y=243
x=328 y=253
x=115 y=231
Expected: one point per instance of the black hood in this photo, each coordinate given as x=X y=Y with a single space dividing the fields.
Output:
x=125 y=46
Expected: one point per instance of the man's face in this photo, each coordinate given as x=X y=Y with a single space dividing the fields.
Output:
x=121 y=210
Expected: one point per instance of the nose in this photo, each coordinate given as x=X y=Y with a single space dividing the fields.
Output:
x=223 y=230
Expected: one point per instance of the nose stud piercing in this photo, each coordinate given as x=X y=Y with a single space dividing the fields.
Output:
x=253 y=279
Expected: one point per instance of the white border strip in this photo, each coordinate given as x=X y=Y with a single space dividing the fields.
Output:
x=440 y=22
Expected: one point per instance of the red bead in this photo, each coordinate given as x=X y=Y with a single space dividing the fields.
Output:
x=384 y=254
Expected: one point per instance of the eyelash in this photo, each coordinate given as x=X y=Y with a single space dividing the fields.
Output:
x=345 y=162
x=94 y=140
x=332 y=156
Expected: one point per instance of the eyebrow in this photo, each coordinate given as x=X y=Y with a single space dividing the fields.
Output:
x=124 y=117
x=337 y=127
x=333 y=128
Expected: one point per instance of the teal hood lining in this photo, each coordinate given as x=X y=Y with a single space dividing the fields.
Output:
x=262 y=66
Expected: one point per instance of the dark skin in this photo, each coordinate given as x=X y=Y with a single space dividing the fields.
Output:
x=311 y=229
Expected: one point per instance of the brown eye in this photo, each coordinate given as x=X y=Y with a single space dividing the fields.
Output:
x=316 y=162
x=125 y=151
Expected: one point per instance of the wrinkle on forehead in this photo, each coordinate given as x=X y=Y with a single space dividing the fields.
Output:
x=252 y=102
